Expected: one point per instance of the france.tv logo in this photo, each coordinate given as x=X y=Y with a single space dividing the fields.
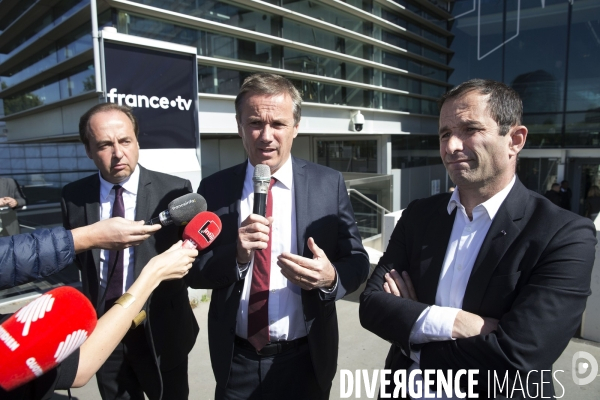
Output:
x=584 y=368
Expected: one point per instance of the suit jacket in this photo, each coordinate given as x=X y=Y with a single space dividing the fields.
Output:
x=532 y=273
x=170 y=327
x=9 y=187
x=323 y=211
x=9 y=223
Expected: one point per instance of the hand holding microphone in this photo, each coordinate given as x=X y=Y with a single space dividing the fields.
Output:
x=201 y=231
x=253 y=233
x=181 y=210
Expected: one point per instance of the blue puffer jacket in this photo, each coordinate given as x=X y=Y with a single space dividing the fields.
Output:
x=32 y=256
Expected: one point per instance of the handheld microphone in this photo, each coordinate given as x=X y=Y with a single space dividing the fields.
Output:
x=42 y=334
x=261 y=179
x=202 y=230
x=181 y=210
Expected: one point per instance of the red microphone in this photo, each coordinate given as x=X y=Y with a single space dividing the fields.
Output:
x=42 y=334
x=201 y=231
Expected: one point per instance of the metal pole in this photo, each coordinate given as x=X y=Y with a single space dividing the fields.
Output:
x=96 y=45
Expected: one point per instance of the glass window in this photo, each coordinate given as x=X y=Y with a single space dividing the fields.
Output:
x=583 y=129
x=328 y=14
x=537 y=72
x=348 y=155
x=217 y=11
x=15 y=13
x=545 y=130
x=219 y=80
x=473 y=55
x=414 y=47
x=57 y=14
x=71 y=83
x=300 y=61
x=583 y=89
x=74 y=43
x=413 y=27
x=537 y=174
x=424 y=13
x=410 y=151
x=208 y=44
x=399 y=61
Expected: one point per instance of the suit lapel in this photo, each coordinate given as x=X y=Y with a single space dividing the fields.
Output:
x=503 y=232
x=433 y=252
x=301 y=200
x=92 y=213
x=141 y=211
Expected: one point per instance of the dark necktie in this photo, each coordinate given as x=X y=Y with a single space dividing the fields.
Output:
x=114 y=289
x=258 y=304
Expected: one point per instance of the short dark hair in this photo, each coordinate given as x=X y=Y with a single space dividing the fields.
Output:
x=270 y=85
x=84 y=121
x=504 y=104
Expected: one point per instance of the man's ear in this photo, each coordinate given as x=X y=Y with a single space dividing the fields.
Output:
x=518 y=136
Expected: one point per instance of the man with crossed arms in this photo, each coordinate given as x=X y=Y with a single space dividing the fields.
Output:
x=492 y=277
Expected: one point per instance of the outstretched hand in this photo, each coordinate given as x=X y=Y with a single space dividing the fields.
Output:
x=112 y=234
x=308 y=273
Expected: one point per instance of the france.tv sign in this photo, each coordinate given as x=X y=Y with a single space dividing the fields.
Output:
x=160 y=87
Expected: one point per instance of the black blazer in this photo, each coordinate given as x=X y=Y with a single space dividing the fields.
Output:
x=171 y=323
x=532 y=273
x=323 y=211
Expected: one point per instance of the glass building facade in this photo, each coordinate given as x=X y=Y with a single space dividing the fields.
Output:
x=391 y=59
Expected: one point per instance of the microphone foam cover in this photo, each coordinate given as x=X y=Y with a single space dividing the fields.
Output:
x=186 y=207
x=203 y=229
x=262 y=172
x=42 y=334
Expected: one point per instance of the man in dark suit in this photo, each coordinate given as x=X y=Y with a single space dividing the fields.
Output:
x=272 y=321
x=152 y=358
x=493 y=277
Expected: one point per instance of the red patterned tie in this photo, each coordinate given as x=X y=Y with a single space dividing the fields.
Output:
x=258 y=305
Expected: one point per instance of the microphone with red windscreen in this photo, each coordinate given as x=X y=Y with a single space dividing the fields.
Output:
x=201 y=231
x=42 y=334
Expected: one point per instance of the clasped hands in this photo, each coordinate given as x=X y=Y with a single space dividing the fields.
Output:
x=307 y=273
x=8 y=202
x=466 y=324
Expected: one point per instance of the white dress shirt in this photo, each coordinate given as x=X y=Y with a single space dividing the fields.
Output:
x=107 y=199
x=286 y=319
x=436 y=322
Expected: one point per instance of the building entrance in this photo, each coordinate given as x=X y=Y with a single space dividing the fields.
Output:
x=583 y=173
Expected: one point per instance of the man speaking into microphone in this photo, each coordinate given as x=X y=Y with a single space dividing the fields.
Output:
x=272 y=324
x=152 y=358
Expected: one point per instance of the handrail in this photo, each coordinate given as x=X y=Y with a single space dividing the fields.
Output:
x=368 y=200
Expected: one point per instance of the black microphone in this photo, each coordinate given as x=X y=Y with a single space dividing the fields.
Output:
x=261 y=178
x=181 y=210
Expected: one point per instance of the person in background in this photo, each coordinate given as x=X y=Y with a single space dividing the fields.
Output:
x=11 y=198
x=592 y=203
x=567 y=194
x=554 y=195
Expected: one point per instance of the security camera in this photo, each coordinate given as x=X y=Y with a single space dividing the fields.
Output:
x=358 y=121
